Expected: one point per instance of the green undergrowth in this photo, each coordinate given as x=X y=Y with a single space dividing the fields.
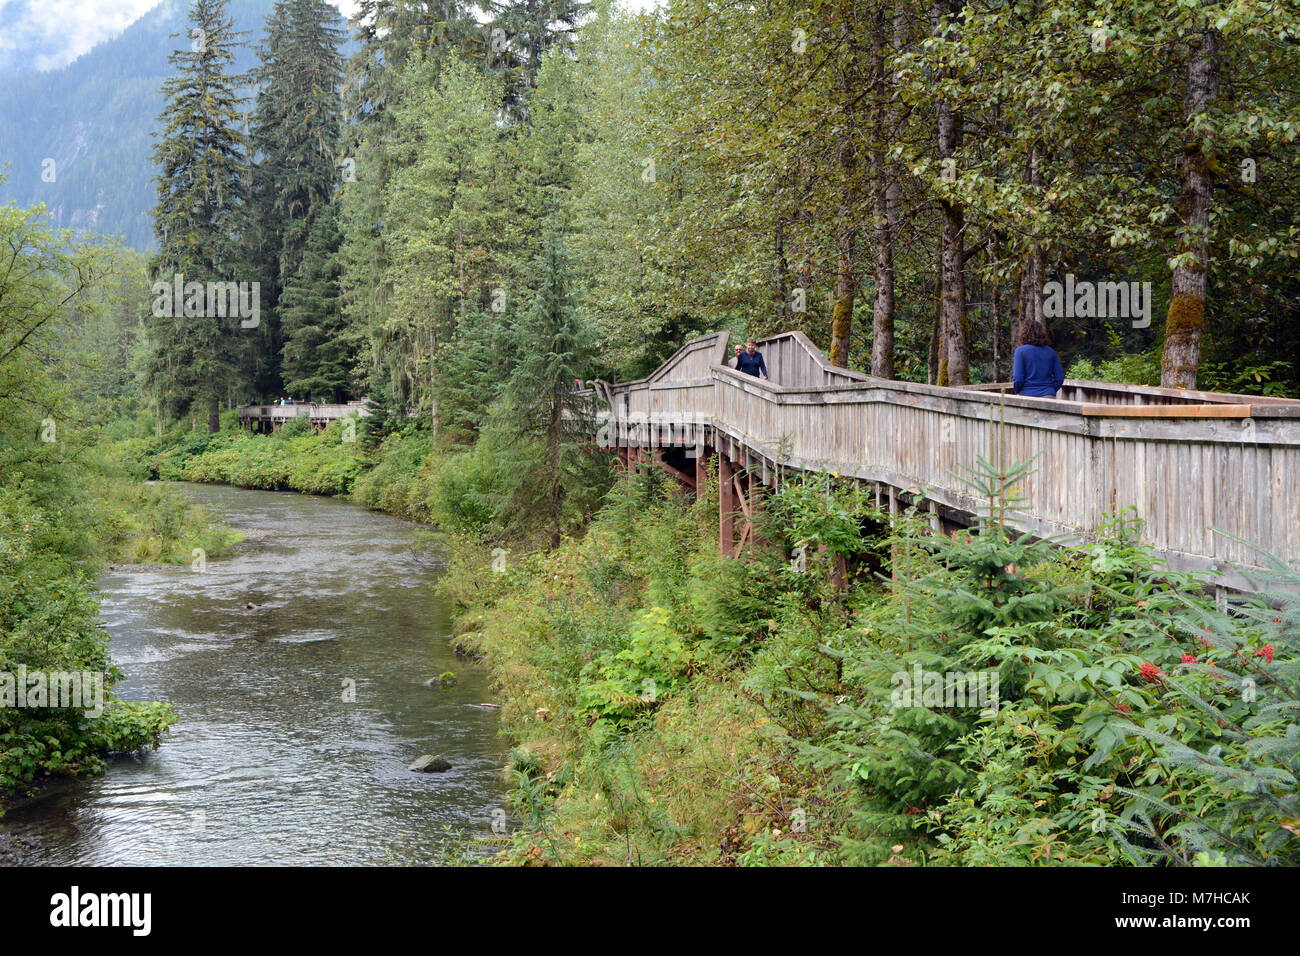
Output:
x=49 y=622
x=481 y=492
x=293 y=459
x=58 y=527
x=674 y=707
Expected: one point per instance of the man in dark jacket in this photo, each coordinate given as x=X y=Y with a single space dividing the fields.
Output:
x=751 y=361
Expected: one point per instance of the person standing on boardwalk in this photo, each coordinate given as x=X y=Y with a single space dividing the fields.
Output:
x=751 y=361
x=1036 y=370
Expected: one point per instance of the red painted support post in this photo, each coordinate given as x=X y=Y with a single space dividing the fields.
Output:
x=726 y=505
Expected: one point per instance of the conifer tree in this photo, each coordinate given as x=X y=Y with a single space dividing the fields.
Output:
x=295 y=137
x=540 y=407
x=390 y=32
x=520 y=34
x=442 y=226
x=320 y=348
x=200 y=220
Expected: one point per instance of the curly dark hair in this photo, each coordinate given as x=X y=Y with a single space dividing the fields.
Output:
x=1033 y=332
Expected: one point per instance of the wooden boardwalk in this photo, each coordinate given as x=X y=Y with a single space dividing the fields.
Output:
x=270 y=418
x=1188 y=462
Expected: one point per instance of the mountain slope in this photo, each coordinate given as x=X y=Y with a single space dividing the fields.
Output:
x=78 y=139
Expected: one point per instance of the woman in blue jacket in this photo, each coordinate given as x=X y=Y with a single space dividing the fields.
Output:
x=1036 y=370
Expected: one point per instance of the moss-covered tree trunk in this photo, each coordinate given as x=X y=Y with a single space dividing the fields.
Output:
x=1185 y=321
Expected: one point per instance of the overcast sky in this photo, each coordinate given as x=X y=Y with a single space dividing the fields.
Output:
x=45 y=34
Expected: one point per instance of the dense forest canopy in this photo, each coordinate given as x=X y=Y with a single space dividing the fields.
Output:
x=905 y=182
x=77 y=138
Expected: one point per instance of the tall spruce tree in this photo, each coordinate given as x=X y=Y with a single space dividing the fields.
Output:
x=320 y=349
x=200 y=220
x=540 y=407
x=389 y=32
x=444 y=216
x=520 y=34
x=295 y=138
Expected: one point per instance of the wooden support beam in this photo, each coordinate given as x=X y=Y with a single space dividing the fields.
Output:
x=726 y=505
x=740 y=482
x=683 y=477
x=756 y=493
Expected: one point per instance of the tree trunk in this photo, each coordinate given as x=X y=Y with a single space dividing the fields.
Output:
x=842 y=317
x=997 y=332
x=954 y=363
x=846 y=242
x=785 y=312
x=952 y=303
x=935 y=367
x=1031 y=291
x=1034 y=272
x=214 y=414
x=1185 y=321
x=882 y=310
x=885 y=205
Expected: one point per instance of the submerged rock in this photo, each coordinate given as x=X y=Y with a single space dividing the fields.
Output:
x=429 y=763
x=445 y=679
x=17 y=850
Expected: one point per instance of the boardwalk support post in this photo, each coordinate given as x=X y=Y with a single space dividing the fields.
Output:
x=726 y=504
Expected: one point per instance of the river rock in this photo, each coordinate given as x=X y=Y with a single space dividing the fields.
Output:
x=429 y=764
x=17 y=850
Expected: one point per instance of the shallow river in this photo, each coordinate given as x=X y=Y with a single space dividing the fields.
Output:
x=270 y=762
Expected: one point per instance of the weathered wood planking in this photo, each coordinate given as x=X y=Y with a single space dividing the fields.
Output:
x=1187 y=462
